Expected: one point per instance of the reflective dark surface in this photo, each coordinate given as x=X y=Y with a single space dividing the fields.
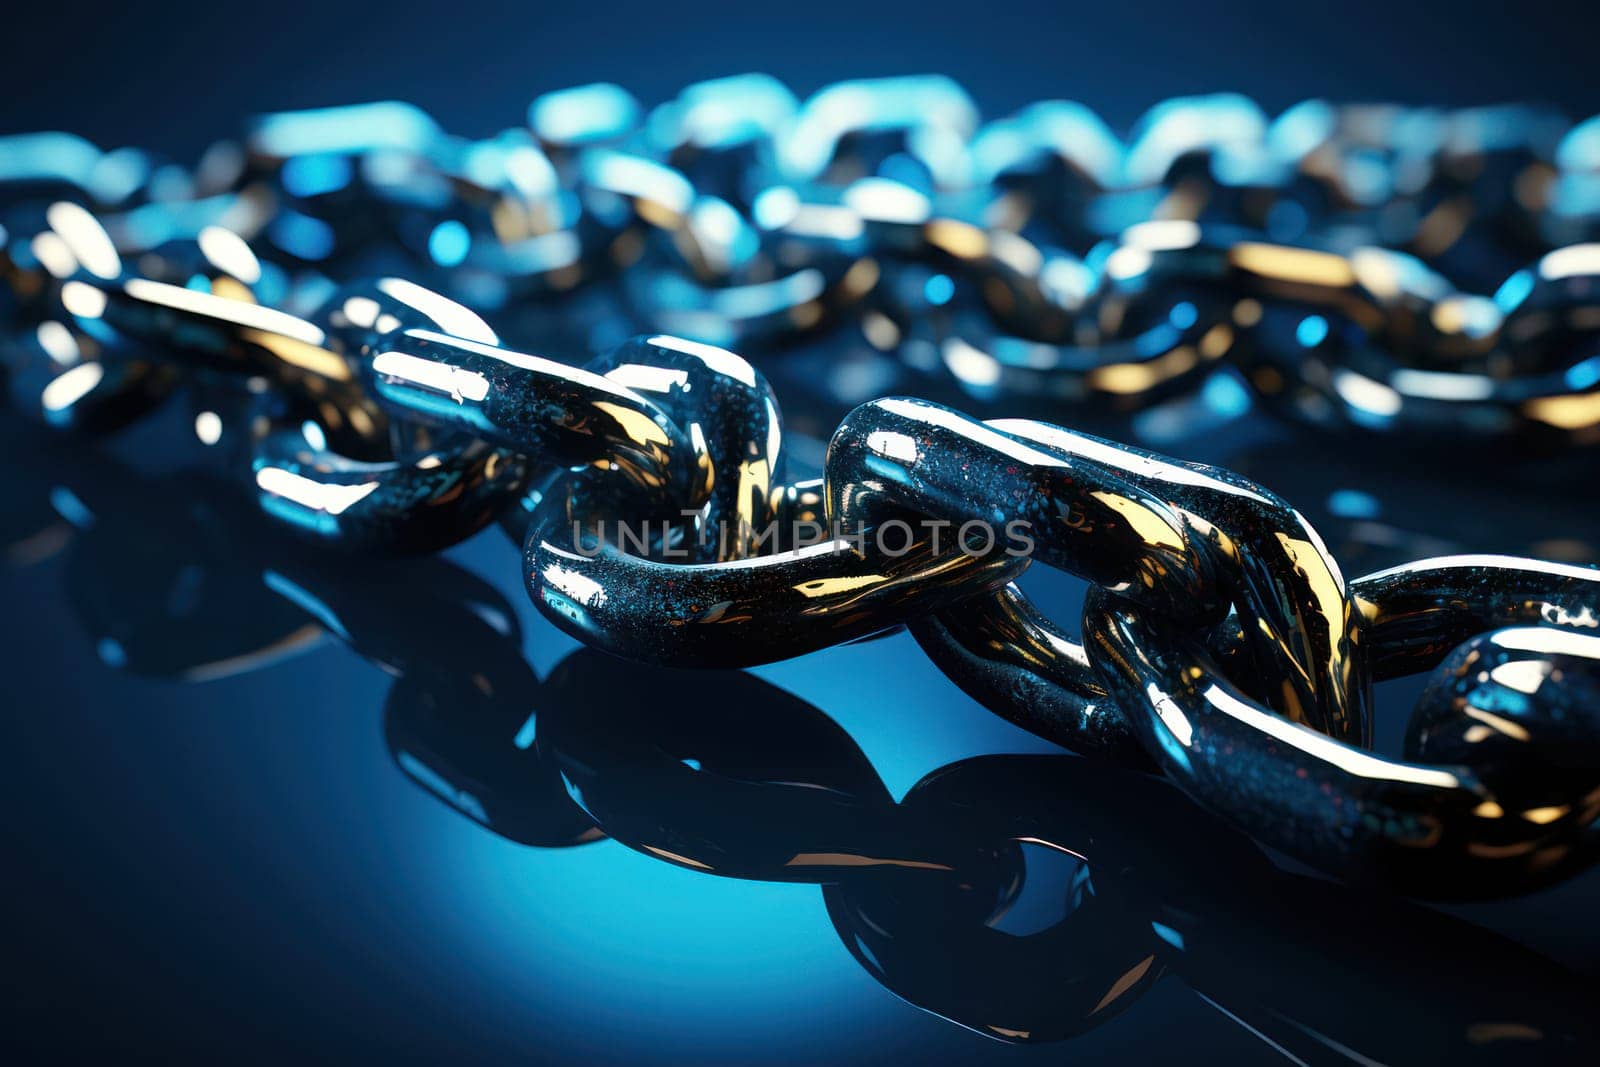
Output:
x=262 y=804
x=355 y=757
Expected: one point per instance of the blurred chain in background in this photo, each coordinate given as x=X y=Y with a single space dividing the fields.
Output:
x=1394 y=268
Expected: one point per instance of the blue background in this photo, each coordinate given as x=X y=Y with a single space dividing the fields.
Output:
x=239 y=867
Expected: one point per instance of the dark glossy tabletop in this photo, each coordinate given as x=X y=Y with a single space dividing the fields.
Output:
x=241 y=824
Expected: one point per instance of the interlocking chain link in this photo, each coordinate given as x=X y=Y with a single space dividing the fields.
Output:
x=937 y=896
x=311 y=290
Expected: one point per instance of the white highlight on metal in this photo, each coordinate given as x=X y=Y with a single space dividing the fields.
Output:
x=1550 y=640
x=84 y=301
x=979 y=433
x=455 y=319
x=208 y=427
x=71 y=386
x=1119 y=459
x=1350 y=760
x=1574 y=259
x=1370 y=396
x=1493 y=562
x=54 y=254
x=1171 y=715
x=1162 y=235
x=1442 y=385
x=328 y=499
x=361 y=311
x=718 y=359
x=261 y=318
x=971 y=365
x=227 y=251
x=458 y=384
x=893 y=445
x=579 y=588
x=90 y=244
x=885 y=200
x=58 y=342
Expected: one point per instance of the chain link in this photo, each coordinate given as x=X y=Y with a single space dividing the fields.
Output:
x=1330 y=259
x=937 y=896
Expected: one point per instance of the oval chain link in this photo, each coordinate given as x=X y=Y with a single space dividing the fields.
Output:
x=922 y=893
x=1382 y=270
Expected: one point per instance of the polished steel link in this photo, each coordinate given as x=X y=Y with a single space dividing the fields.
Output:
x=1400 y=824
x=1258 y=553
x=913 y=456
x=1142 y=884
x=1379 y=270
x=735 y=430
x=724 y=605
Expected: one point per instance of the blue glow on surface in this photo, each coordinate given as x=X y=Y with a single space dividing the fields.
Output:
x=912 y=103
x=69 y=507
x=1580 y=148
x=117 y=174
x=1353 y=504
x=1226 y=395
x=1301 y=129
x=596 y=951
x=1575 y=195
x=34 y=156
x=1168 y=934
x=1479 y=317
x=907 y=170
x=775 y=207
x=111 y=652
x=449 y=243
x=315 y=175
x=314 y=435
x=939 y=289
x=350 y=128
x=584 y=114
x=1095 y=259
x=305 y=601
x=724 y=112
x=1366 y=177
x=629 y=175
x=1312 y=331
x=460 y=799
x=1064 y=126
x=316 y=523
x=1184 y=315
x=527 y=733
x=1174 y=748
x=1583 y=375
x=302 y=235
x=1174 y=127
x=1514 y=290
x=866 y=950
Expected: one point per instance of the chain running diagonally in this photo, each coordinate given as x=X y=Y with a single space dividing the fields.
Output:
x=936 y=896
x=323 y=293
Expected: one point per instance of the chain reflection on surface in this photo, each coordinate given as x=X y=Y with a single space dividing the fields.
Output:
x=920 y=890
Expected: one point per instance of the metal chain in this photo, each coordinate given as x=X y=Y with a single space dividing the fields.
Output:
x=1035 y=255
x=936 y=896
